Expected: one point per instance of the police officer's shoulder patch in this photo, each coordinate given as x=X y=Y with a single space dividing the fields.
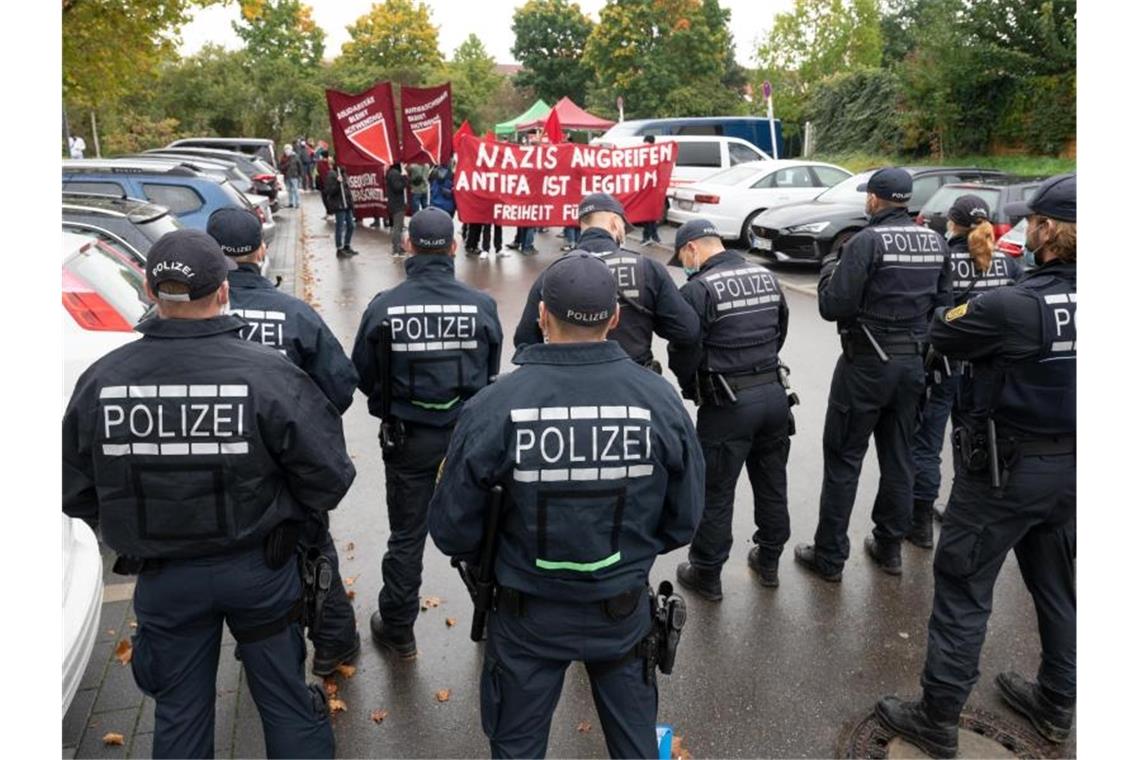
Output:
x=957 y=311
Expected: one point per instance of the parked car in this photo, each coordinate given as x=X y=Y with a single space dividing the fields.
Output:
x=189 y=194
x=752 y=129
x=733 y=198
x=809 y=231
x=261 y=174
x=698 y=158
x=125 y=222
x=254 y=146
x=996 y=193
x=103 y=299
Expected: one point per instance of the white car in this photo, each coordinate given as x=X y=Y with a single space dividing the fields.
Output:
x=731 y=199
x=103 y=299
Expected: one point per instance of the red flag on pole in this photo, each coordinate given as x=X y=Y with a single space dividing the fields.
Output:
x=464 y=129
x=553 y=127
x=427 y=123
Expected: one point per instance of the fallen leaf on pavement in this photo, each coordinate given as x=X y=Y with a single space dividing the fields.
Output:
x=584 y=727
x=378 y=716
x=337 y=705
x=429 y=602
x=331 y=686
x=351 y=594
x=443 y=695
x=352 y=556
x=350 y=580
x=113 y=740
x=110 y=631
x=677 y=752
x=134 y=624
x=349 y=546
x=124 y=651
x=904 y=635
x=348 y=671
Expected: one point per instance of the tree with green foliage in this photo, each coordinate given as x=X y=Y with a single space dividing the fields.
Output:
x=817 y=39
x=394 y=40
x=108 y=45
x=664 y=57
x=474 y=84
x=281 y=30
x=550 y=36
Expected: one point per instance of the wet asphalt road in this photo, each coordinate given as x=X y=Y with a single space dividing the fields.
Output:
x=765 y=673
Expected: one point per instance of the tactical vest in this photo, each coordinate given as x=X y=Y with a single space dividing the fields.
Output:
x=903 y=284
x=1036 y=397
x=969 y=282
x=744 y=336
x=631 y=271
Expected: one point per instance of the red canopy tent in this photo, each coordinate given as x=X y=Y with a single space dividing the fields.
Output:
x=570 y=116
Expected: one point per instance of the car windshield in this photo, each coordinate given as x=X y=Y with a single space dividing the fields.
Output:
x=108 y=274
x=940 y=203
x=737 y=175
x=845 y=191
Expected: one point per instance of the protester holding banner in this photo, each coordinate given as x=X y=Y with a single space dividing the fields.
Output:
x=338 y=198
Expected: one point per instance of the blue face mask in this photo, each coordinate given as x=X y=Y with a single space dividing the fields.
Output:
x=690 y=271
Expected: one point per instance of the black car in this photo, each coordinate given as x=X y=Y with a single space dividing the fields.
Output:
x=996 y=193
x=809 y=231
x=126 y=224
x=262 y=176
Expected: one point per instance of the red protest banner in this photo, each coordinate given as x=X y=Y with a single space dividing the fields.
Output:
x=541 y=185
x=427 y=123
x=364 y=137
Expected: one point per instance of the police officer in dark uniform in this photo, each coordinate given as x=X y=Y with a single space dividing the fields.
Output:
x=650 y=301
x=1020 y=399
x=602 y=472
x=293 y=328
x=742 y=415
x=445 y=340
x=978 y=267
x=882 y=292
x=191 y=449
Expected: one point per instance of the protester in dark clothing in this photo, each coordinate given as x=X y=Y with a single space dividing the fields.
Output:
x=338 y=198
x=396 y=183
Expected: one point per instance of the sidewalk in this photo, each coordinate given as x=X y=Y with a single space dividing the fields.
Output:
x=108 y=701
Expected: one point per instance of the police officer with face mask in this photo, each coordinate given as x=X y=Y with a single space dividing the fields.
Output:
x=602 y=472
x=650 y=301
x=293 y=328
x=1015 y=488
x=978 y=268
x=423 y=348
x=190 y=449
x=742 y=415
x=881 y=290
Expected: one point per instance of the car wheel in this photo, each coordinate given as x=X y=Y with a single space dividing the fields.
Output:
x=746 y=228
x=839 y=240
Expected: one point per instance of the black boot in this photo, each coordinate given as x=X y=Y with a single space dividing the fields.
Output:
x=912 y=721
x=769 y=572
x=704 y=582
x=325 y=661
x=805 y=555
x=399 y=639
x=922 y=524
x=1051 y=720
x=885 y=556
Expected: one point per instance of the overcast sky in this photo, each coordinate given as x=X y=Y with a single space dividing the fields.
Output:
x=489 y=19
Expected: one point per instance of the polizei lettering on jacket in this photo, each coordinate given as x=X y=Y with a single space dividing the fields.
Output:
x=434 y=327
x=174 y=420
x=910 y=245
x=555 y=444
x=264 y=327
x=743 y=290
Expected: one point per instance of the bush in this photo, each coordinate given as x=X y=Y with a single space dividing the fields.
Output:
x=856 y=111
x=1040 y=114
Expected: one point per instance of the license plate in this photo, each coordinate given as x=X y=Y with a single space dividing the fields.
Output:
x=764 y=244
x=685 y=205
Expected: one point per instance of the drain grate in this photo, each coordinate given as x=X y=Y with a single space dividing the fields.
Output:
x=867 y=738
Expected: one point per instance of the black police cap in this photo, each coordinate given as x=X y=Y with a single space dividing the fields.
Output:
x=1056 y=198
x=431 y=229
x=691 y=230
x=237 y=230
x=190 y=257
x=891 y=184
x=580 y=289
x=968 y=210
